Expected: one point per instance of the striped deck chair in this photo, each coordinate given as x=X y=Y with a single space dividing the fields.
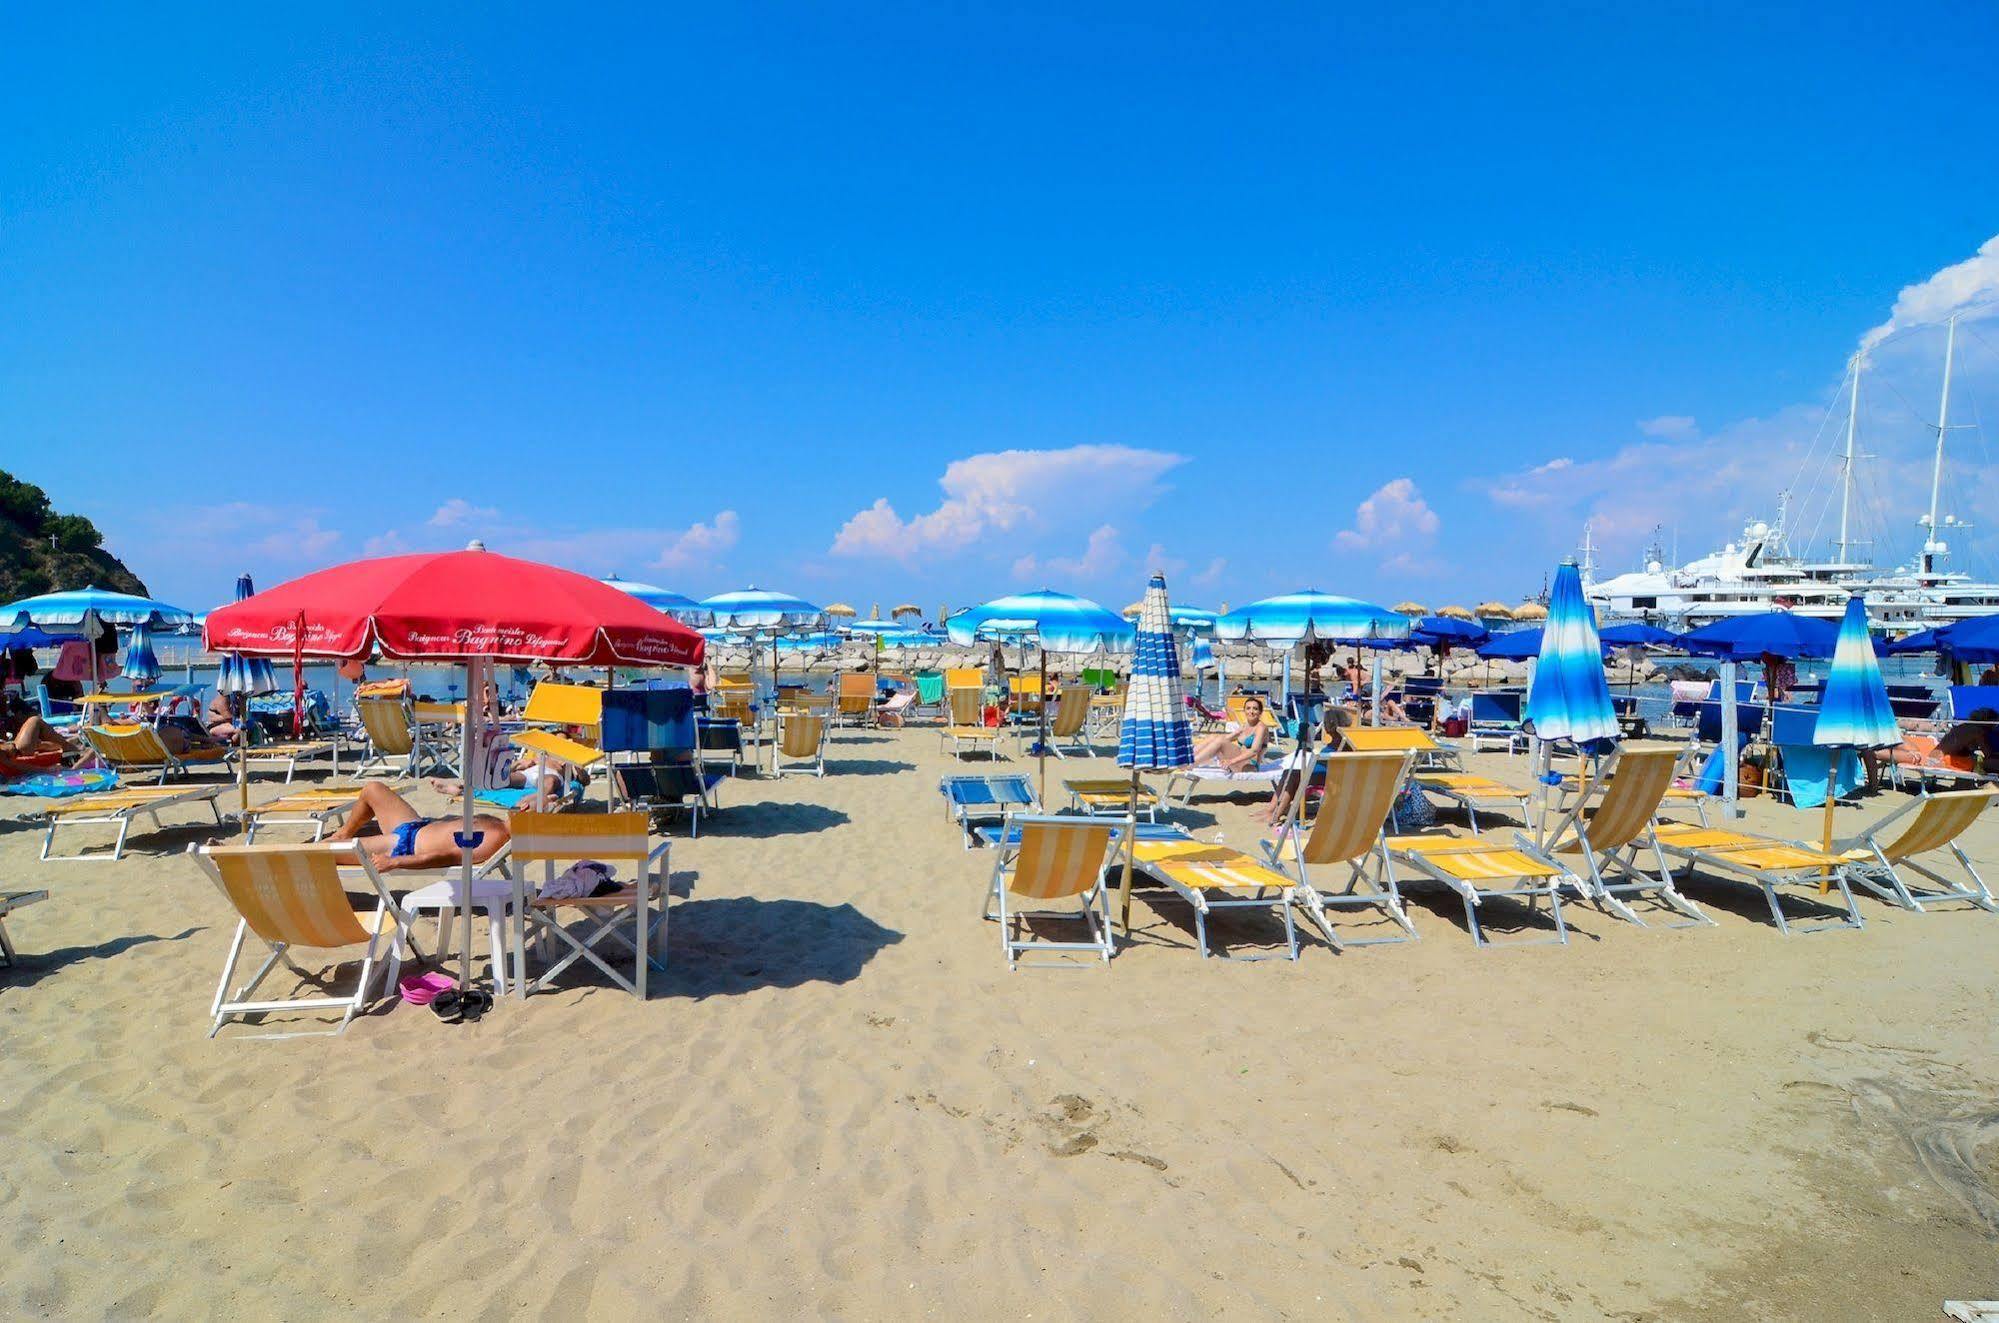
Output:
x=1941 y=818
x=318 y=808
x=625 y=916
x=138 y=749
x=1028 y=696
x=1767 y=862
x=1106 y=711
x=964 y=725
x=985 y=797
x=1110 y=796
x=1213 y=877
x=1071 y=723
x=1471 y=865
x=801 y=743
x=1056 y=858
x=675 y=785
x=1348 y=832
x=1430 y=755
x=121 y=808
x=1472 y=792
x=854 y=702
x=1612 y=834
x=292 y=897
x=397 y=743
x=291 y=753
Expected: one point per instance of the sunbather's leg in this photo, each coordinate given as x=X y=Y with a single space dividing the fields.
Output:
x=36 y=736
x=379 y=805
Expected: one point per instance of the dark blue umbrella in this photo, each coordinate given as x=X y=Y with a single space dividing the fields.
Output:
x=1971 y=640
x=1514 y=645
x=1637 y=634
x=29 y=636
x=1923 y=640
x=1777 y=633
x=1444 y=632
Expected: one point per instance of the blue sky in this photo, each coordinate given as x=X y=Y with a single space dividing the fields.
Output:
x=889 y=303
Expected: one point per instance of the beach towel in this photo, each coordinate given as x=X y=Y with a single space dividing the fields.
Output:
x=929 y=689
x=587 y=877
x=1805 y=770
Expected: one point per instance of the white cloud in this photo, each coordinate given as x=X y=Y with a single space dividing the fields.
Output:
x=702 y=544
x=458 y=511
x=1956 y=287
x=1212 y=575
x=1394 y=514
x=1101 y=556
x=1667 y=426
x=1009 y=496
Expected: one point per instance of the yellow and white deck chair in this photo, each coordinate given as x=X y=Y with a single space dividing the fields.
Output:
x=1611 y=829
x=1472 y=792
x=1027 y=694
x=1213 y=877
x=1054 y=858
x=965 y=726
x=1110 y=796
x=854 y=701
x=290 y=753
x=136 y=749
x=1482 y=868
x=293 y=897
x=577 y=707
x=801 y=743
x=1767 y=862
x=398 y=743
x=121 y=807
x=626 y=916
x=1877 y=863
x=318 y=807
x=1071 y=723
x=1348 y=831
x=1430 y=756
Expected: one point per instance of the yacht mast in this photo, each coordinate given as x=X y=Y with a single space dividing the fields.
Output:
x=1933 y=548
x=1846 y=468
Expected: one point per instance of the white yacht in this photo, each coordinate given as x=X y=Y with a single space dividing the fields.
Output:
x=1760 y=572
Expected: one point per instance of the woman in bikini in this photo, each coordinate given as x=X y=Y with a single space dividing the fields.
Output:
x=405 y=838
x=1240 y=747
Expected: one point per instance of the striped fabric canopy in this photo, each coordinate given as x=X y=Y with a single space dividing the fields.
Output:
x=1154 y=734
x=684 y=609
x=756 y=608
x=1055 y=622
x=1310 y=615
x=1855 y=712
x=72 y=608
x=1570 y=698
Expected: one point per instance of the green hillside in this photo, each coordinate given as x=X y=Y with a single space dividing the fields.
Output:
x=42 y=551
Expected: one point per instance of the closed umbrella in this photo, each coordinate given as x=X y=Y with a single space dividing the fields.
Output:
x=142 y=666
x=1854 y=711
x=1153 y=735
x=471 y=606
x=1569 y=700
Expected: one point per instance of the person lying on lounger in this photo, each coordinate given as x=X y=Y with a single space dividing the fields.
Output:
x=1240 y=747
x=404 y=838
x=22 y=730
x=528 y=766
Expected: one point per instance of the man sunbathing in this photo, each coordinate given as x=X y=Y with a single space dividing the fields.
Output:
x=23 y=732
x=406 y=839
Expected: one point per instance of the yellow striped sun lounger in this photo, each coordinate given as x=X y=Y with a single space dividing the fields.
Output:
x=1877 y=863
x=138 y=748
x=1472 y=792
x=1611 y=828
x=1053 y=858
x=1347 y=833
x=1430 y=755
x=1472 y=865
x=964 y=725
x=1101 y=796
x=1767 y=862
x=291 y=897
x=291 y=754
x=120 y=808
x=318 y=807
x=1215 y=877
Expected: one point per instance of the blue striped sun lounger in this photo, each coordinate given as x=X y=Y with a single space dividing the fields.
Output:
x=1147 y=831
x=969 y=797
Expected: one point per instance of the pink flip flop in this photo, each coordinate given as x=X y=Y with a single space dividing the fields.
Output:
x=422 y=989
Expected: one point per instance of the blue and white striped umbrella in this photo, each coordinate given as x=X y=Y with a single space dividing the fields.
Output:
x=1570 y=697
x=875 y=627
x=239 y=674
x=1153 y=734
x=816 y=641
x=1055 y=622
x=757 y=608
x=1311 y=616
x=684 y=609
x=142 y=666
x=75 y=607
x=1855 y=712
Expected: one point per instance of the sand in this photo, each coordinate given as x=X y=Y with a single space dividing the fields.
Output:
x=839 y=1103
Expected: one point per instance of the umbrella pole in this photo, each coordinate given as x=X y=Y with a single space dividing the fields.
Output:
x=1041 y=725
x=1130 y=850
x=468 y=784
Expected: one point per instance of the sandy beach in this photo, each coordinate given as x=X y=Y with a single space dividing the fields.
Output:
x=839 y=1103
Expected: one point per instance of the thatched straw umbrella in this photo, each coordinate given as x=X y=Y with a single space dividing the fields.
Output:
x=906 y=609
x=1410 y=609
x=842 y=609
x=1530 y=611
x=1494 y=611
x=1456 y=613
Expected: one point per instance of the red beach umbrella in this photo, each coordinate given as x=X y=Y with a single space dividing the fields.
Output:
x=473 y=606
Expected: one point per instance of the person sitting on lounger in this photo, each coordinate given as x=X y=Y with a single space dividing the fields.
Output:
x=1973 y=743
x=1331 y=718
x=221 y=718
x=1240 y=747
x=404 y=838
x=22 y=730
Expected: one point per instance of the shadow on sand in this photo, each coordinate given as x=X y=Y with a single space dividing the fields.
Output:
x=726 y=947
x=31 y=967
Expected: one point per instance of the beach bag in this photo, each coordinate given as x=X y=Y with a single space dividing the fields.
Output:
x=1412 y=812
x=588 y=877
